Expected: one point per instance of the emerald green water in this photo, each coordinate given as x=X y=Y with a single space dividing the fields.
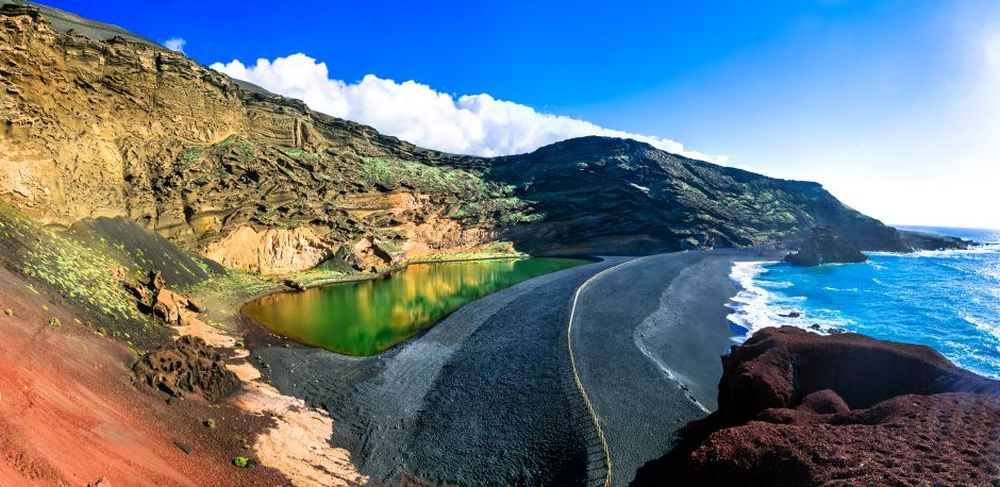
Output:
x=367 y=317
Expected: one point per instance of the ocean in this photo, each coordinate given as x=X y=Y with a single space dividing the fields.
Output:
x=948 y=300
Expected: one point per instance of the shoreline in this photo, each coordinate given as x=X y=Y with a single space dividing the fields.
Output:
x=648 y=338
x=947 y=301
x=419 y=432
x=361 y=276
x=459 y=374
x=388 y=274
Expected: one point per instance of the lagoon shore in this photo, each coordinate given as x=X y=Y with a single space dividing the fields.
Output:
x=487 y=395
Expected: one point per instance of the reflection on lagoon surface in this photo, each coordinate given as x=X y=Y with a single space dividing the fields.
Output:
x=367 y=317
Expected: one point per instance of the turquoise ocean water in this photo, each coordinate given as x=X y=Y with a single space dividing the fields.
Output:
x=948 y=300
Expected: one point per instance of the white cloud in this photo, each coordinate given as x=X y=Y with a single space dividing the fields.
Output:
x=468 y=124
x=175 y=44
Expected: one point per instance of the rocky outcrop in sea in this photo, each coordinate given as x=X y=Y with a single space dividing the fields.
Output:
x=824 y=246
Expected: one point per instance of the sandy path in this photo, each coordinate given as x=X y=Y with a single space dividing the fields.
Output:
x=297 y=444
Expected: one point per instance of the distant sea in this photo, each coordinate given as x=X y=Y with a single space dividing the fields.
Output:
x=948 y=300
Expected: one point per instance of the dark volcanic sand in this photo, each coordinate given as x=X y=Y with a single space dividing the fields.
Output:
x=486 y=397
x=648 y=337
x=483 y=397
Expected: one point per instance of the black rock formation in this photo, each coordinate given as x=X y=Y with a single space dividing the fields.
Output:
x=824 y=246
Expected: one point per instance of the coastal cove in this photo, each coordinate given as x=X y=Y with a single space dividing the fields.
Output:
x=366 y=317
x=303 y=272
x=948 y=300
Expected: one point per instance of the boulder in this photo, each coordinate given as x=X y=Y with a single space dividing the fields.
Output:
x=140 y=291
x=156 y=282
x=196 y=305
x=294 y=285
x=823 y=246
x=172 y=307
x=798 y=408
x=187 y=368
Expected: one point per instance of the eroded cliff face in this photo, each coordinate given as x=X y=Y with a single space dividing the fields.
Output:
x=272 y=250
x=120 y=127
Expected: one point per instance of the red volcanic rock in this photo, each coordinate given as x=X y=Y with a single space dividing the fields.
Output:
x=796 y=408
x=779 y=367
x=941 y=439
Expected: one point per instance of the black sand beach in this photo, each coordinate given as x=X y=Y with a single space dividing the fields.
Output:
x=648 y=336
x=487 y=397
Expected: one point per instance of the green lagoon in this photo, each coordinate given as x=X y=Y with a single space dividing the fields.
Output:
x=368 y=317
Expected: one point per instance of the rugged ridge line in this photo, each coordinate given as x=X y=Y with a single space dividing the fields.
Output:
x=95 y=122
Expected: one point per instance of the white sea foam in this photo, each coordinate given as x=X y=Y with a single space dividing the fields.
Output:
x=841 y=290
x=991 y=272
x=979 y=249
x=958 y=314
x=749 y=306
x=993 y=328
x=754 y=307
x=775 y=284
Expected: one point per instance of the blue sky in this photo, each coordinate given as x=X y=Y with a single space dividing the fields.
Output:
x=894 y=106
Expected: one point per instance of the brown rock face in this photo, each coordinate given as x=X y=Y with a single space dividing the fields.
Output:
x=187 y=368
x=121 y=127
x=270 y=251
x=797 y=408
x=172 y=307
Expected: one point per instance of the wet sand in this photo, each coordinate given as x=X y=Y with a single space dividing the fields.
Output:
x=648 y=336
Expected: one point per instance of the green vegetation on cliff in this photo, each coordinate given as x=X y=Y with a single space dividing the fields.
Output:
x=84 y=274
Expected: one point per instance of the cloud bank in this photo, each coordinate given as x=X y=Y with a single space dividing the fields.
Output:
x=468 y=124
x=175 y=44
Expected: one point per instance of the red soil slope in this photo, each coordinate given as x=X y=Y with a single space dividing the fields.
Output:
x=69 y=414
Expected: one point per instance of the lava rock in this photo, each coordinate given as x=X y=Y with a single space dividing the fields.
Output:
x=798 y=408
x=172 y=307
x=188 y=367
x=184 y=447
x=823 y=246
x=294 y=285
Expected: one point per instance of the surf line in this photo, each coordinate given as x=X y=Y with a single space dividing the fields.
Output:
x=576 y=372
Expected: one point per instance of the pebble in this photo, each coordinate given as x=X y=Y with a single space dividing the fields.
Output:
x=184 y=447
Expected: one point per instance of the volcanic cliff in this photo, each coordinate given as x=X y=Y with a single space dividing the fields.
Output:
x=798 y=408
x=95 y=121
